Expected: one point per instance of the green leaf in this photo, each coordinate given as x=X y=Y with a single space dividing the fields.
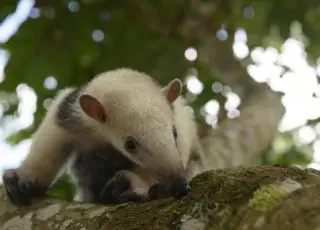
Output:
x=63 y=188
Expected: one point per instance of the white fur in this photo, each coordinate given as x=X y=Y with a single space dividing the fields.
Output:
x=50 y=147
x=135 y=106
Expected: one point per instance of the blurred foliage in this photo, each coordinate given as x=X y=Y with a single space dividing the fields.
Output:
x=63 y=188
x=293 y=156
x=144 y=35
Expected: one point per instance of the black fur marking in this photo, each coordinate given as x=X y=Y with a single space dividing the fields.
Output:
x=194 y=156
x=174 y=128
x=20 y=192
x=175 y=134
x=94 y=169
x=66 y=116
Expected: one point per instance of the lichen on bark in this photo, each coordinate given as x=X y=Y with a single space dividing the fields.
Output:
x=267 y=197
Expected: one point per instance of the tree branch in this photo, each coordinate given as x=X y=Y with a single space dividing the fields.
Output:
x=262 y=197
x=243 y=140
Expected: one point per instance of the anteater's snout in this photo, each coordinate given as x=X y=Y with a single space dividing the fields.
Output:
x=179 y=188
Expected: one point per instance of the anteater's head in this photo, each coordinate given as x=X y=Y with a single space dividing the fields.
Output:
x=138 y=119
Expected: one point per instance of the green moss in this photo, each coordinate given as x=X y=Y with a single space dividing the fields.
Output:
x=217 y=199
x=169 y=209
x=266 y=197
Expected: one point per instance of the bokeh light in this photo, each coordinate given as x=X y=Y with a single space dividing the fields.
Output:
x=98 y=35
x=191 y=54
x=50 y=83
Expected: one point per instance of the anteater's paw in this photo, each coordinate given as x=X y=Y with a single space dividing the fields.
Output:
x=19 y=191
x=119 y=190
x=157 y=191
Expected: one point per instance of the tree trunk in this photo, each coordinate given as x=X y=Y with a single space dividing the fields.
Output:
x=245 y=139
x=262 y=197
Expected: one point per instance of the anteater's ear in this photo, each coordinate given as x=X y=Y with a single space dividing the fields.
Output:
x=173 y=90
x=92 y=107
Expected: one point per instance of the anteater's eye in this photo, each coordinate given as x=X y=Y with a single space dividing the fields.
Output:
x=174 y=130
x=130 y=145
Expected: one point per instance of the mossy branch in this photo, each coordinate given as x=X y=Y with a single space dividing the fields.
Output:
x=262 y=197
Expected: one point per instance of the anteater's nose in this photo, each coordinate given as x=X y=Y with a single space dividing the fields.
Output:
x=179 y=188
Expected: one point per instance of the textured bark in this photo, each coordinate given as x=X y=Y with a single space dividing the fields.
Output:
x=262 y=197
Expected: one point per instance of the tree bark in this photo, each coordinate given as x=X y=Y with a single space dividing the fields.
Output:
x=261 y=197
